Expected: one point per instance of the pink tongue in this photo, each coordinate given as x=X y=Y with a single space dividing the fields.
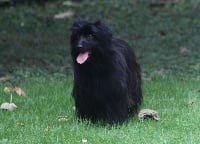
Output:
x=82 y=57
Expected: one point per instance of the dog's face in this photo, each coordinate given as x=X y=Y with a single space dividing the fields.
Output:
x=88 y=38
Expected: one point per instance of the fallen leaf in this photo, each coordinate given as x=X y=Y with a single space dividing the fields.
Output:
x=159 y=72
x=64 y=15
x=19 y=124
x=8 y=106
x=48 y=128
x=4 y=79
x=145 y=113
x=146 y=79
x=19 y=91
x=84 y=140
x=8 y=89
x=191 y=103
x=184 y=51
x=62 y=118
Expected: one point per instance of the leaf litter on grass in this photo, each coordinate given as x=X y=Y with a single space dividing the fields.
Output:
x=20 y=124
x=191 y=103
x=84 y=140
x=62 y=118
x=148 y=113
x=18 y=90
x=48 y=128
x=10 y=105
x=4 y=79
x=64 y=15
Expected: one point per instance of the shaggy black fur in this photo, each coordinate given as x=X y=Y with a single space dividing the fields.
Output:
x=107 y=85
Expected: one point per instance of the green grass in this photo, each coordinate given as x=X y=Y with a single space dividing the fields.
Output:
x=47 y=100
x=34 y=53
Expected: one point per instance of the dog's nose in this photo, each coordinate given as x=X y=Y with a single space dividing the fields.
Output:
x=79 y=46
x=81 y=42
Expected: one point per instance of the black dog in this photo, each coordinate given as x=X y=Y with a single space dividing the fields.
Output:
x=107 y=80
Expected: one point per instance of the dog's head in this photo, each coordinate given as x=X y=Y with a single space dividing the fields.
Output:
x=88 y=37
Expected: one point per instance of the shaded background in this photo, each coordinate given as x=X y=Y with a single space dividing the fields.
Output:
x=34 y=39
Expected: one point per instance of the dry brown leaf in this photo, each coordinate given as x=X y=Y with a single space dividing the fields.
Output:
x=8 y=89
x=145 y=113
x=8 y=106
x=19 y=91
x=159 y=72
x=146 y=78
x=184 y=51
x=65 y=15
x=19 y=124
x=48 y=128
x=191 y=103
x=62 y=118
x=84 y=140
x=4 y=79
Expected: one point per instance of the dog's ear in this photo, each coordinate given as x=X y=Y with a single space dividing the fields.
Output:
x=78 y=23
x=98 y=23
x=103 y=28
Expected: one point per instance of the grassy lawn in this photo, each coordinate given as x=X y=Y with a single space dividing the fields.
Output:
x=46 y=115
x=34 y=54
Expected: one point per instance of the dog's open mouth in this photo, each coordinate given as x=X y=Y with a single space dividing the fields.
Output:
x=82 y=57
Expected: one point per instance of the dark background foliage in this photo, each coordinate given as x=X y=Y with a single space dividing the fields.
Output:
x=164 y=34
